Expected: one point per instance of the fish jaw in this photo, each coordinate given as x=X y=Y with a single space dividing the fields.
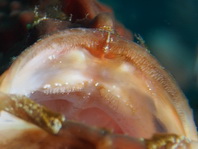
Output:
x=16 y=130
x=115 y=69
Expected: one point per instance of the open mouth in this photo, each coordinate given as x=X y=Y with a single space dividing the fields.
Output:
x=86 y=106
x=96 y=78
x=87 y=88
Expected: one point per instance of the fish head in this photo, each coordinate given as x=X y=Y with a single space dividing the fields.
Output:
x=90 y=85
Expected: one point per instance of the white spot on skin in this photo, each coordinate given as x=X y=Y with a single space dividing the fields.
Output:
x=106 y=48
x=57 y=84
x=96 y=84
x=118 y=96
x=47 y=86
x=76 y=57
x=150 y=87
x=125 y=67
x=51 y=57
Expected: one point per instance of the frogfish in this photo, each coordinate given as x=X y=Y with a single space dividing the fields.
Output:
x=84 y=84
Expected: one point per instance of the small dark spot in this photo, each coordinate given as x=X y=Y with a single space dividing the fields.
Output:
x=159 y=126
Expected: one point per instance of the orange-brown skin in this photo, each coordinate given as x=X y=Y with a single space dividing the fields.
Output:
x=107 y=41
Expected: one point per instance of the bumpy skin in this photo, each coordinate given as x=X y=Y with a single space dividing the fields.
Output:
x=105 y=43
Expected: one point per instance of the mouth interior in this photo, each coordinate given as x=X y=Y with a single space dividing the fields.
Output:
x=104 y=93
x=81 y=106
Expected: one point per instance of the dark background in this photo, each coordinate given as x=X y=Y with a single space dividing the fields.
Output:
x=168 y=27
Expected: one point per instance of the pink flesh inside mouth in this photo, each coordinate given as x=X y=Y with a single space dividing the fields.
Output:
x=85 y=108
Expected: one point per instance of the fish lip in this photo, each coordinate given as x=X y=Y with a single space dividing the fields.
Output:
x=73 y=132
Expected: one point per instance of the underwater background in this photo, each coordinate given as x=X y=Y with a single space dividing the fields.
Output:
x=169 y=29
